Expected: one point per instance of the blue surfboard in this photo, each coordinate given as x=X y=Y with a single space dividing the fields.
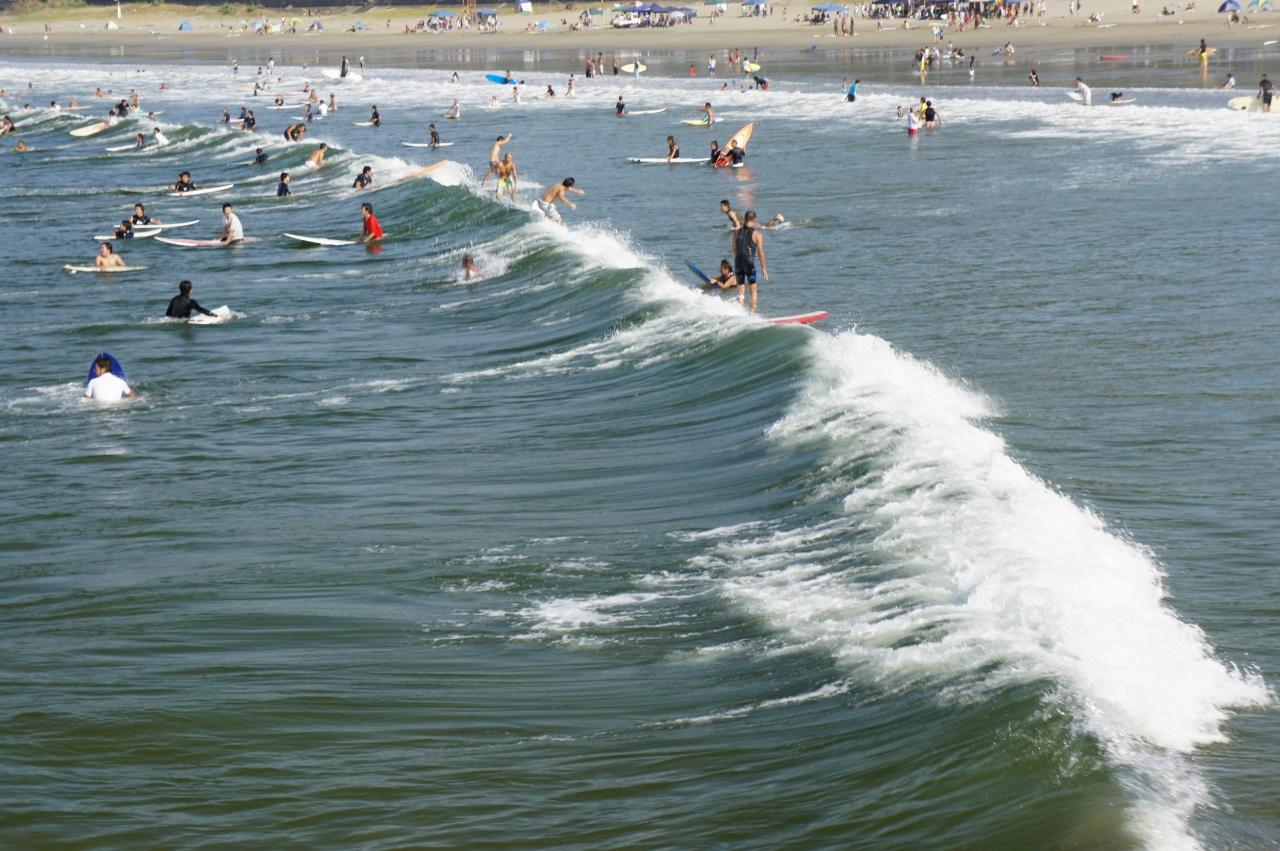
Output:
x=702 y=276
x=116 y=368
x=499 y=79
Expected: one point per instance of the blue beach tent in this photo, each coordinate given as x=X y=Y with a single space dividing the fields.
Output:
x=1229 y=6
x=185 y=26
x=830 y=7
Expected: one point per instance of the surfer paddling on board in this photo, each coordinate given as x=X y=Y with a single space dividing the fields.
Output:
x=106 y=386
x=184 y=184
x=507 y=177
x=372 y=230
x=107 y=257
x=557 y=193
x=748 y=244
x=232 y=230
x=181 y=305
x=495 y=156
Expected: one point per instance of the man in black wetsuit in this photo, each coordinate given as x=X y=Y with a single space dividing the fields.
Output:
x=748 y=246
x=181 y=305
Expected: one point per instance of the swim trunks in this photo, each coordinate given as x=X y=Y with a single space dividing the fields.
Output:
x=549 y=210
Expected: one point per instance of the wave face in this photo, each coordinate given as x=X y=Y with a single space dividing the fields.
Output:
x=573 y=551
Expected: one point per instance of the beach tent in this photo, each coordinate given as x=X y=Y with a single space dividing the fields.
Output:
x=112 y=25
x=359 y=25
x=439 y=13
x=831 y=7
x=1229 y=6
x=184 y=27
x=525 y=6
x=487 y=13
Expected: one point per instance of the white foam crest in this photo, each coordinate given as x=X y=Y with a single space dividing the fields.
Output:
x=570 y=614
x=996 y=577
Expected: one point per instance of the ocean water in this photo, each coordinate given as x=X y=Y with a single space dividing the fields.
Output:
x=577 y=556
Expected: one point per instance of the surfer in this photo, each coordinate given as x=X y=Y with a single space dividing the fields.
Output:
x=455 y=109
x=226 y=116
x=161 y=139
x=232 y=230
x=139 y=141
x=734 y=219
x=333 y=103
x=469 y=271
x=107 y=257
x=515 y=94
x=507 y=177
x=913 y=124
x=317 y=156
x=282 y=191
x=1230 y=82
x=932 y=121
x=851 y=93
x=374 y=118
x=435 y=136
x=726 y=280
x=551 y=92
x=259 y=156
x=558 y=193
x=181 y=305
x=184 y=184
x=22 y=147
x=737 y=154
x=709 y=113
x=140 y=216
x=1265 y=91
x=1086 y=93
x=344 y=68
x=494 y=156
x=124 y=230
x=250 y=122
x=619 y=108
x=364 y=179
x=6 y=126
x=289 y=131
x=106 y=386
x=748 y=244
x=372 y=231
x=673 y=149
x=1033 y=78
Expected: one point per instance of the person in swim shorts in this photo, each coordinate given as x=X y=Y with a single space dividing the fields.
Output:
x=557 y=193
x=495 y=155
x=508 y=177
x=748 y=245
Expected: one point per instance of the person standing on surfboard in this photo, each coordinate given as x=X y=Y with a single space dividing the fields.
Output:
x=748 y=244
x=372 y=231
x=105 y=385
x=507 y=177
x=232 y=230
x=495 y=155
x=181 y=305
x=557 y=193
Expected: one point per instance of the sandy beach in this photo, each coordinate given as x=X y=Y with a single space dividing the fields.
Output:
x=154 y=30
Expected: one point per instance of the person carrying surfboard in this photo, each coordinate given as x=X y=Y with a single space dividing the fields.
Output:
x=557 y=193
x=107 y=257
x=748 y=245
x=181 y=305
x=105 y=386
x=372 y=230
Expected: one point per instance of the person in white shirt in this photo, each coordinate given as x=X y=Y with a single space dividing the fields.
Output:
x=106 y=386
x=1085 y=92
x=160 y=138
x=232 y=230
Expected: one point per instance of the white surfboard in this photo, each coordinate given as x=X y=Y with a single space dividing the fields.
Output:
x=208 y=190
x=1076 y=96
x=220 y=315
x=320 y=240
x=170 y=225
x=645 y=111
x=663 y=160
x=91 y=130
x=335 y=74
x=362 y=123
x=73 y=269
x=426 y=145
x=115 y=149
x=202 y=243
x=138 y=233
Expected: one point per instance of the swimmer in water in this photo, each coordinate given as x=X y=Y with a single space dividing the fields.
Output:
x=107 y=257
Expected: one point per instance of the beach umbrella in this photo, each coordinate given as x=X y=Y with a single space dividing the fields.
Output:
x=485 y=13
x=1229 y=6
x=754 y=2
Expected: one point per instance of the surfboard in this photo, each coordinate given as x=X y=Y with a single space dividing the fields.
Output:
x=73 y=269
x=1075 y=96
x=750 y=67
x=1195 y=51
x=499 y=79
x=138 y=233
x=336 y=74
x=208 y=190
x=663 y=160
x=170 y=225
x=362 y=123
x=426 y=145
x=696 y=122
x=1122 y=101
x=116 y=369
x=646 y=111
x=630 y=68
x=741 y=138
x=91 y=130
x=220 y=315
x=320 y=240
x=202 y=243
x=800 y=318
x=115 y=149
x=702 y=276
x=1246 y=104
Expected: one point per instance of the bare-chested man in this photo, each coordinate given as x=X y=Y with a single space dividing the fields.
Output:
x=557 y=193
x=507 y=177
x=495 y=154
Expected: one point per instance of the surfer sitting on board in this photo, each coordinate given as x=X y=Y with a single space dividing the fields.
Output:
x=435 y=136
x=181 y=305
x=557 y=193
x=748 y=244
x=372 y=231
x=140 y=216
x=107 y=257
x=673 y=149
x=184 y=184
x=494 y=156
x=232 y=230
x=106 y=386
x=364 y=179
x=125 y=230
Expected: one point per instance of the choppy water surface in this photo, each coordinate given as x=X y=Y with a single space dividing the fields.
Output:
x=574 y=555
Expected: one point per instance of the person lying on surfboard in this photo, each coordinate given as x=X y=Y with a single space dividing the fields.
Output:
x=181 y=305
x=107 y=257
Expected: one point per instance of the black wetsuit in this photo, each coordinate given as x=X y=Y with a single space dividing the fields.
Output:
x=180 y=307
x=362 y=180
x=376 y=119
x=435 y=138
x=737 y=155
x=282 y=191
x=744 y=255
x=183 y=187
x=260 y=158
x=140 y=220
